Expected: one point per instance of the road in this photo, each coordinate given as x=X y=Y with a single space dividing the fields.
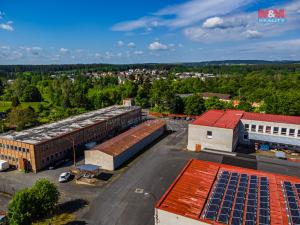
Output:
x=124 y=202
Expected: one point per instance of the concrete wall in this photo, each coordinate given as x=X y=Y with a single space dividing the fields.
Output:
x=222 y=139
x=166 y=218
x=98 y=158
x=109 y=162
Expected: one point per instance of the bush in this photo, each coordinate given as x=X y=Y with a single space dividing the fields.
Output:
x=46 y=195
x=22 y=208
x=29 y=205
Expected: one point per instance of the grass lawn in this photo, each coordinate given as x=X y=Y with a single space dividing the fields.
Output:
x=60 y=219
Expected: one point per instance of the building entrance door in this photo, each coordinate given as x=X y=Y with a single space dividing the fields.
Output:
x=198 y=148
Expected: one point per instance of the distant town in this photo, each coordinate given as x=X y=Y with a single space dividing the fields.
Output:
x=94 y=139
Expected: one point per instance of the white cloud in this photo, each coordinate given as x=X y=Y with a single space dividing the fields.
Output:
x=6 y=26
x=135 y=24
x=183 y=15
x=156 y=46
x=138 y=52
x=120 y=43
x=98 y=55
x=131 y=45
x=253 y=34
x=213 y=22
x=63 y=50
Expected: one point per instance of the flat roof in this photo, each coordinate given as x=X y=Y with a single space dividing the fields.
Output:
x=119 y=144
x=230 y=118
x=50 y=131
x=222 y=194
x=219 y=118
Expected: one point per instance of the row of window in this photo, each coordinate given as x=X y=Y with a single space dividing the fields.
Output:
x=5 y=157
x=55 y=156
x=16 y=148
x=272 y=130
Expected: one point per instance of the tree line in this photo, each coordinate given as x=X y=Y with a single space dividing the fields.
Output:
x=53 y=98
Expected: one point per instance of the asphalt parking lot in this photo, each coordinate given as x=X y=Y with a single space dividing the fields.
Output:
x=129 y=197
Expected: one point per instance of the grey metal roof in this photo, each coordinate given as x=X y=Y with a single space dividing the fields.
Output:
x=56 y=129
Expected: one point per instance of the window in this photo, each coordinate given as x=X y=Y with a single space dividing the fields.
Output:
x=298 y=133
x=260 y=128
x=209 y=134
x=283 y=131
x=292 y=132
x=23 y=149
x=246 y=137
x=268 y=129
x=253 y=128
x=247 y=127
x=275 y=130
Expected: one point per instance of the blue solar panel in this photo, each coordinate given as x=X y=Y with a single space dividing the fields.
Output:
x=210 y=215
x=238 y=194
x=291 y=202
x=296 y=220
x=236 y=221
x=264 y=212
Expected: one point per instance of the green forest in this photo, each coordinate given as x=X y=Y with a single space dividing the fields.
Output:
x=36 y=97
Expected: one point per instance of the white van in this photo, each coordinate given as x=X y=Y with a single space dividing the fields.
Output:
x=4 y=165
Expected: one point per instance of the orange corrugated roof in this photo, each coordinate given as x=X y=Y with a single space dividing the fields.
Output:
x=189 y=193
x=122 y=142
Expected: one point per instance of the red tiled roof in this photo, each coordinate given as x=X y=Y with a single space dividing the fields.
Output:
x=219 y=118
x=271 y=118
x=230 y=118
x=189 y=193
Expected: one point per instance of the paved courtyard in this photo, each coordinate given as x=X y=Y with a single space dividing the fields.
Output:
x=128 y=198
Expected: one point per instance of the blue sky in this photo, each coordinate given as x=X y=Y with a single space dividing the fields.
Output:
x=132 y=31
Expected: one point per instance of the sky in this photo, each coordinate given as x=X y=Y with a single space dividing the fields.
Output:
x=139 y=31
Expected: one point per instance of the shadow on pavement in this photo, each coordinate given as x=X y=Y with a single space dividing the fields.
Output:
x=72 y=206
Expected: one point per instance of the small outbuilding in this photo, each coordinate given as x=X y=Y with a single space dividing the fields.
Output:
x=116 y=151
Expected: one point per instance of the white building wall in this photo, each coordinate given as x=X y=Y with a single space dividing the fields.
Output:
x=109 y=162
x=166 y=218
x=222 y=139
x=98 y=158
x=270 y=137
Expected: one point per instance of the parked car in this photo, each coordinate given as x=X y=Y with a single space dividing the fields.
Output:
x=4 y=165
x=64 y=177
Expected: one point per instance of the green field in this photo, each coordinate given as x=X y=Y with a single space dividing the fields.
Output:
x=5 y=105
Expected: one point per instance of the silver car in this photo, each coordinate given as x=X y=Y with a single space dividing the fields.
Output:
x=64 y=177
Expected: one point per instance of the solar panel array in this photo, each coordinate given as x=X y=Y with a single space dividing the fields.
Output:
x=292 y=197
x=239 y=199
